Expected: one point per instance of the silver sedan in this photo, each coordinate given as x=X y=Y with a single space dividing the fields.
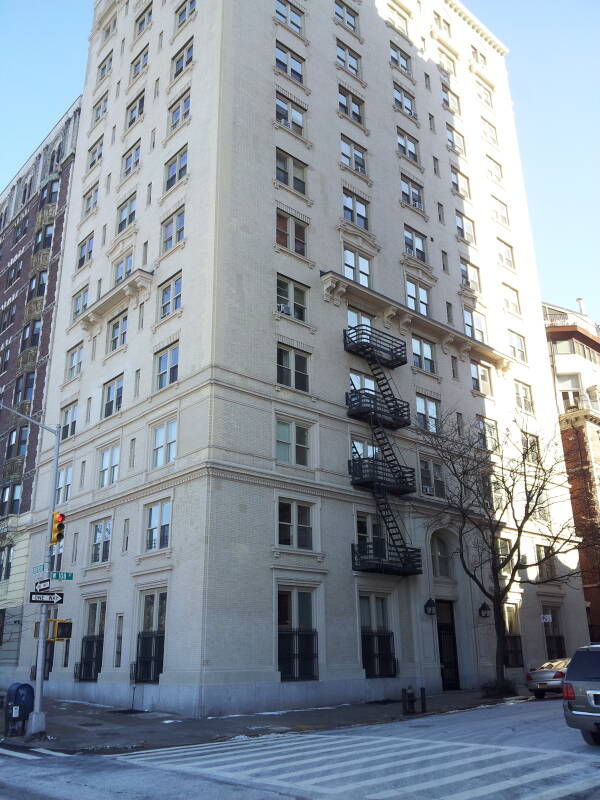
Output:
x=547 y=678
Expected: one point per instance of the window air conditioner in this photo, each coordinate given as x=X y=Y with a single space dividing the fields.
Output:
x=283 y=309
x=286 y=123
x=427 y=489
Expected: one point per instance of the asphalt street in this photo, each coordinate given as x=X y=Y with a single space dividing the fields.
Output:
x=494 y=753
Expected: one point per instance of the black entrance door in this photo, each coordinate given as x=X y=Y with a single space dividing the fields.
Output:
x=447 y=643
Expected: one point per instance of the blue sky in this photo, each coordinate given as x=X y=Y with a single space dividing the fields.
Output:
x=553 y=66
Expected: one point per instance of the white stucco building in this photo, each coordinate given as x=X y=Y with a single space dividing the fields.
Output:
x=251 y=180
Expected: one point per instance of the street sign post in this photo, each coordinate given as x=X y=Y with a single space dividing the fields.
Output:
x=54 y=598
x=41 y=585
x=61 y=576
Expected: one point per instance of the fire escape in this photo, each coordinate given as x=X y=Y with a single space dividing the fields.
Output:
x=381 y=473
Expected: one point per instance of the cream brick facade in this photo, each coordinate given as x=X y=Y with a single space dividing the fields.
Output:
x=223 y=565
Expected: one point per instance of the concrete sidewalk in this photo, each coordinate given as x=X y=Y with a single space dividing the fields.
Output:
x=76 y=727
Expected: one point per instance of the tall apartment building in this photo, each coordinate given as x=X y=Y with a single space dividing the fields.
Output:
x=574 y=343
x=283 y=197
x=32 y=213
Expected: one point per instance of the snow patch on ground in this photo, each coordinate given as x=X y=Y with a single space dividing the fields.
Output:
x=278 y=713
x=84 y=703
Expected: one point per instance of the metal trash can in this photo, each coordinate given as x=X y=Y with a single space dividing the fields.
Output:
x=17 y=708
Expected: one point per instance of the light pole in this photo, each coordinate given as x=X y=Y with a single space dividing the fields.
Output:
x=37 y=719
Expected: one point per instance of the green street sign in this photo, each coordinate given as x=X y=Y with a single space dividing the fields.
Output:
x=38 y=568
x=61 y=576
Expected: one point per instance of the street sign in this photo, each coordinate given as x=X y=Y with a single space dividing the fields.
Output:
x=54 y=598
x=41 y=585
x=61 y=576
x=37 y=569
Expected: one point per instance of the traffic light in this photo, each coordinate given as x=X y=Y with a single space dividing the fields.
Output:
x=58 y=528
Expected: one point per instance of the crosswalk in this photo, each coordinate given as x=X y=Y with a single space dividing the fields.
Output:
x=382 y=768
x=30 y=754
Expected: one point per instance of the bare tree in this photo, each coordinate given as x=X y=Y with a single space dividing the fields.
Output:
x=500 y=491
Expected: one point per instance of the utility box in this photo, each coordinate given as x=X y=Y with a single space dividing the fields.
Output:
x=17 y=708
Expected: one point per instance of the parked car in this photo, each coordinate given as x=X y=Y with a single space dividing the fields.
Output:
x=581 y=693
x=547 y=678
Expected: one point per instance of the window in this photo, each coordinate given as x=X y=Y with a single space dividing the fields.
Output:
x=179 y=111
x=440 y=211
x=369 y=535
x=454 y=366
x=450 y=100
x=85 y=250
x=289 y=62
x=505 y=254
x=494 y=169
x=346 y=15
x=523 y=397
x=460 y=183
x=109 y=466
x=432 y=478
x=511 y=299
x=408 y=146
x=74 y=360
x=158 y=525
x=170 y=296
x=290 y=171
x=95 y=153
x=465 y=227
x=24 y=388
x=487 y=432
x=442 y=24
x=295 y=528
x=126 y=213
x=16 y=444
x=499 y=211
x=292 y=443
x=117 y=332
x=400 y=59
x=516 y=345
x=469 y=275
x=478 y=57
x=144 y=20
x=176 y=169
x=353 y=155
x=291 y=298
x=182 y=59
x=292 y=368
x=350 y=105
x=118 y=642
x=428 y=412
x=290 y=228
x=414 y=243
x=6 y=557
x=112 y=396
x=43 y=238
x=531 y=447
x=63 y=484
x=167 y=366
x=101 y=536
x=356 y=317
x=481 y=378
x=4 y=358
x=68 y=420
x=423 y=354
x=289 y=114
x=489 y=131
x=474 y=324
x=122 y=268
x=184 y=12
x=446 y=63
x=485 y=95
x=445 y=265
x=135 y=110
x=440 y=557
x=547 y=562
x=173 y=230
x=347 y=58
x=131 y=159
x=398 y=19
x=417 y=297
x=455 y=140
x=100 y=108
x=49 y=193
x=30 y=336
x=104 y=67
x=356 y=266
x=37 y=285
x=412 y=193
x=10 y=503
x=506 y=559
x=80 y=302
x=164 y=443
x=8 y=316
x=404 y=101
x=90 y=200
x=355 y=209
x=14 y=273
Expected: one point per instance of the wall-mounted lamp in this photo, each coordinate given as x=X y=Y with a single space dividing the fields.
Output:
x=484 y=610
x=430 y=608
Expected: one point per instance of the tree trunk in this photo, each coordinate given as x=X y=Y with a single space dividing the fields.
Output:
x=500 y=629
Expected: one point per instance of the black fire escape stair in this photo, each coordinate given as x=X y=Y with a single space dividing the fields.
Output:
x=383 y=473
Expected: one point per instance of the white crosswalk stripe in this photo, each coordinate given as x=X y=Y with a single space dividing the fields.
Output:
x=380 y=768
x=16 y=754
